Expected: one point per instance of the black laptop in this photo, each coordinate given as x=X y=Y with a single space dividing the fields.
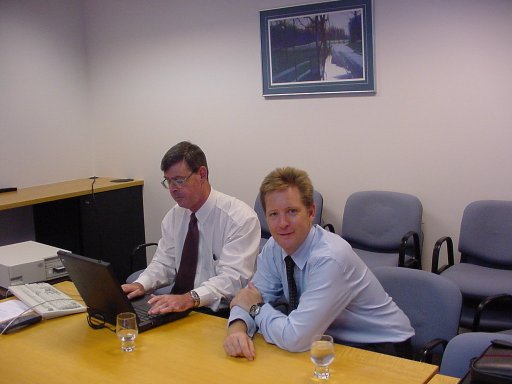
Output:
x=103 y=296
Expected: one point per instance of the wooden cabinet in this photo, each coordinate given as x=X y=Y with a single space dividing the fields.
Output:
x=104 y=220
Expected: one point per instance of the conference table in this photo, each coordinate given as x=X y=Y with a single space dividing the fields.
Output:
x=189 y=350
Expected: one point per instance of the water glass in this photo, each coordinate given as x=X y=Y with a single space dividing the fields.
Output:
x=126 y=330
x=322 y=355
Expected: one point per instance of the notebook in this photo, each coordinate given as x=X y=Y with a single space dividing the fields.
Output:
x=103 y=296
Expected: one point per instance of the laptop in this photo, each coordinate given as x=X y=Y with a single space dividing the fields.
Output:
x=103 y=296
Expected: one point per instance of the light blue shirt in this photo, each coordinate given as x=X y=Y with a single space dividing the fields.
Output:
x=339 y=296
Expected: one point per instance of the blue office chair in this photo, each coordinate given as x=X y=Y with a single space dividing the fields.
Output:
x=463 y=348
x=384 y=228
x=484 y=274
x=431 y=302
x=265 y=231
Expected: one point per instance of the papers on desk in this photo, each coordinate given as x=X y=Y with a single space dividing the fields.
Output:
x=15 y=314
x=11 y=309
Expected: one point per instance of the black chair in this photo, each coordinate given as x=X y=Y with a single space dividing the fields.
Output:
x=265 y=231
x=137 y=252
x=431 y=302
x=384 y=228
x=484 y=274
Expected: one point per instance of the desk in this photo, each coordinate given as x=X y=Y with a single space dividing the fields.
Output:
x=102 y=220
x=443 y=379
x=189 y=350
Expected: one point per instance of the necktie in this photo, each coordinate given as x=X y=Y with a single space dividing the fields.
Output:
x=292 y=288
x=187 y=271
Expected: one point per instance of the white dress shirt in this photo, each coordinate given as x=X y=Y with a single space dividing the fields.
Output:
x=338 y=295
x=229 y=237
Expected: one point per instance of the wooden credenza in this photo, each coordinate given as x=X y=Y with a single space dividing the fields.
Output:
x=101 y=218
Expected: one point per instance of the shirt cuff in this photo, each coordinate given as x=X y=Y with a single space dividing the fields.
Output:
x=237 y=313
x=206 y=298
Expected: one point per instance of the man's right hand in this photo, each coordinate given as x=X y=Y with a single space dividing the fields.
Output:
x=237 y=343
x=133 y=290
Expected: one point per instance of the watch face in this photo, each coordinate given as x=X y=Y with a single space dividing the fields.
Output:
x=255 y=309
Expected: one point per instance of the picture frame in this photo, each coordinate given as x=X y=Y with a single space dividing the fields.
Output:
x=319 y=48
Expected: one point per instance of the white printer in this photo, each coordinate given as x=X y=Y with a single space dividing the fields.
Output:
x=29 y=262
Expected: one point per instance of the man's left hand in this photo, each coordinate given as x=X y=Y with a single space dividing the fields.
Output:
x=170 y=303
x=247 y=297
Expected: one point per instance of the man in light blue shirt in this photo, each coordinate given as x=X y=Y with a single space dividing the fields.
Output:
x=338 y=294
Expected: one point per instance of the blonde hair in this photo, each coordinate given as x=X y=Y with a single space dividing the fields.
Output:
x=285 y=177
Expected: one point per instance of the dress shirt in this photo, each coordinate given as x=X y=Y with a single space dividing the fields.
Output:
x=229 y=236
x=338 y=295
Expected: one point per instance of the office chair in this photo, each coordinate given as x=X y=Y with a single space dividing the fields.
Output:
x=463 y=348
x=265 y=231
x=137 y=251
x=431 y=302
x=484 y=274
x=384 y=228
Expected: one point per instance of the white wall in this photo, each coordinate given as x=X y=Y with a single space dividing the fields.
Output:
x=44 y=135
x=163 y=71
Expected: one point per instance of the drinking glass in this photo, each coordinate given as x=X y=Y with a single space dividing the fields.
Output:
x=126 y=330
x=322 y=354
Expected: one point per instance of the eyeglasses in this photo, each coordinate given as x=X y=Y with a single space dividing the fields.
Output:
x=177 y=182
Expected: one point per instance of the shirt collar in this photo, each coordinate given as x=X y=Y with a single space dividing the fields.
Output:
x=300 y=256
x=208 y=206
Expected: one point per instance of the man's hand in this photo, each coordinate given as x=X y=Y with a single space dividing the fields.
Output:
x=247 y=297
x=133 y=290
x=170 y=303
x=237 y=343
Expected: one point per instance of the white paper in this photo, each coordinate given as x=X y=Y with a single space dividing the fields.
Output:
x=11 y=309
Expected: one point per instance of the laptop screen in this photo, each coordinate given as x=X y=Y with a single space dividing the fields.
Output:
x=98 y=286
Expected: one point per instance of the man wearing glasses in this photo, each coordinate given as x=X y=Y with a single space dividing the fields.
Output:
x=208 y=236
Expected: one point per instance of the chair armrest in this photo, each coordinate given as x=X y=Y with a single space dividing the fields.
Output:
x=135 y=252
x=417 y=253
x=435 y=254
x=425 y=353
x=329 y=227
x=484 y=304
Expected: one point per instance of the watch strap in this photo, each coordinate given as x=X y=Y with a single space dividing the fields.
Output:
x=196 y=298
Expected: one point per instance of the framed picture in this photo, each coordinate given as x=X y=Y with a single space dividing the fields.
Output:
x=318 y=48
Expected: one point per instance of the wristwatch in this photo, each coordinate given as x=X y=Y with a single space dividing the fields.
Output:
x=196 y=298
x=255 y=309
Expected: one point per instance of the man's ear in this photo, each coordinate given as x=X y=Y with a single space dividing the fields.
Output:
x=312 y=211
x=203 y=172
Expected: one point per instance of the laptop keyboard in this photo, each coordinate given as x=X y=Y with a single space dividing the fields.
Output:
x=141 y=309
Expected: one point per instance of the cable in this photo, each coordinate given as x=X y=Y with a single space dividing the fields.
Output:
x=98 y=226
x=30 y=308
x=97 y=321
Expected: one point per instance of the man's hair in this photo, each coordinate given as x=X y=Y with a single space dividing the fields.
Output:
x=283 y=178
x=193 y=156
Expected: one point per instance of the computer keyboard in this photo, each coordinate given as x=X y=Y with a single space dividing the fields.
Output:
x=46 y=300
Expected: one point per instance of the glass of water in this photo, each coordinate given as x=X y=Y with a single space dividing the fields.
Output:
x=126 y=330
x=322 y=355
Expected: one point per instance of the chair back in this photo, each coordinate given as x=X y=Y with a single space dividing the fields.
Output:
x=432 y=302
x=464 y=347
x=377 y=220
x=265 y=231
x=486 y=233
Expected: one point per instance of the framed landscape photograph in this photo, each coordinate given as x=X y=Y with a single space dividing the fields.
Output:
x=318 y=48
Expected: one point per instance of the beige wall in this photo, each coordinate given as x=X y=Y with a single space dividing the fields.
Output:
x=157 y=72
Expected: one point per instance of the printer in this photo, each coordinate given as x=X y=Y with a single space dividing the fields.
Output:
x=29 y=262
